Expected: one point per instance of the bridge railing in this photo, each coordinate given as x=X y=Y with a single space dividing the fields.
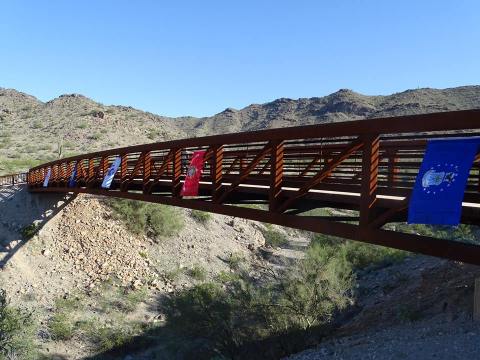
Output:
x=13 y=179
x=368 y=166
x=394 y=146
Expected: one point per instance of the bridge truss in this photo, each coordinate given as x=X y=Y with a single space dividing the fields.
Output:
x=280 y=176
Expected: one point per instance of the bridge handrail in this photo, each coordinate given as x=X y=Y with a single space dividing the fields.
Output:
x=444 y=121
x=13 y=179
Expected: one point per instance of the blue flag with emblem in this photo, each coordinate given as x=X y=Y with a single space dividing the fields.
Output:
x=440 y=185
x=72 y=182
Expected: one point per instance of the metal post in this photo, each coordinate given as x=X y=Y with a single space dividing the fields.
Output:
x=368 y=197
x=276 y=174
x=176 y=172
x=216 y=171
x=147 y=171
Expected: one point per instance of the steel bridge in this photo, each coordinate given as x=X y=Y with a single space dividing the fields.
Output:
x=367 y=167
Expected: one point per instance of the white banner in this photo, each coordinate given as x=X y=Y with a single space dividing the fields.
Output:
x=107 y=181
x=47 y=177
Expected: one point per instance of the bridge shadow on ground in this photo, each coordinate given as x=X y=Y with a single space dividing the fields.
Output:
x=166 y=341
x=22 y=214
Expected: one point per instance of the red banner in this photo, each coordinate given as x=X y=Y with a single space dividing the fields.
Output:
x=194 y=173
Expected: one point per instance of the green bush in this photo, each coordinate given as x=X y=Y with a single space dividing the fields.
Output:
x=104 y=338
x=146 y=218
x=241 y=310
x=127 y=300
x=29 y=231
x=17 y=332
x=61 y=326
x=95 y=136
x=201 y=216
x=312 y=292
x=461 y=233
x=235 y=261
x=359 y=255
x=197 y=272
x=274 y=237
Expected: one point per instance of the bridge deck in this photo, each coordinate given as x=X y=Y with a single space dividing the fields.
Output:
x=367 y=166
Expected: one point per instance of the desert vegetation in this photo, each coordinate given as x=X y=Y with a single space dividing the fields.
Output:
x=17 y=331
x=145 y=218
x=240 y=307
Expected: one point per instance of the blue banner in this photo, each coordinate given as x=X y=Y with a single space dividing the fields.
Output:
x=440 y=185
x=73 y=182
x=107 y=181
x=47 y=177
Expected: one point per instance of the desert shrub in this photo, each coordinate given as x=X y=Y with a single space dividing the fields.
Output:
x=19 y=164
x=227 y=277
x=235 y=261
x=29 y=231
x=310 y=294
x=274 y=237
x=141 y=217
x=174 y=274
x=95 y=136
x=461 y=233
x=359 y=255
x=17 y=332
x=127 y=300
x=104 y=338
x=197 y=272
x=153 y=134
x=201 y=216
x=241 y=309
x=164 y=220
x=206 y=311
x=61 y=326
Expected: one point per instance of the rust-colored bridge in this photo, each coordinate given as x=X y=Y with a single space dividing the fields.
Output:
x=367 y=166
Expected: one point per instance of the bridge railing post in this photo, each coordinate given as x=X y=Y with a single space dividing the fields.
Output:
x=216 y=171
x=123 y=170
x=176 y=172
x=392 y=167
x=370 y=160
x=147 y=171
x=276 y=174
x=91 y=171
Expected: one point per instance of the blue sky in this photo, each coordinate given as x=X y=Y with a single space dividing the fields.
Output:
x=199 y=57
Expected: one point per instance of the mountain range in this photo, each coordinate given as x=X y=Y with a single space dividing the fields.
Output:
x=33 y=131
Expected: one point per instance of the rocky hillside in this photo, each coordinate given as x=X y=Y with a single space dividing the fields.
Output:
x=33 y=131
